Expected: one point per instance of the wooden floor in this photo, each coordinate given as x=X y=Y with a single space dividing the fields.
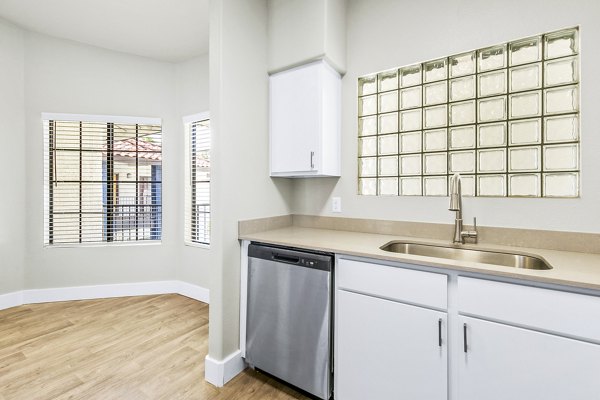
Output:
x=147 y=347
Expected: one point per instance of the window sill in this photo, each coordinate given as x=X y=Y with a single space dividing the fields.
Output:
x=112 y=244
x=198 y=245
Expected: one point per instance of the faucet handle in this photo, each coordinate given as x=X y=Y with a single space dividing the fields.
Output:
x=473 y=234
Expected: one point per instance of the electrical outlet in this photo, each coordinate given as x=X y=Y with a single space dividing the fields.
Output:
x=336 y=204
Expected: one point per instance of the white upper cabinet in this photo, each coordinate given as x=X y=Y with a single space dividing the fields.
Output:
x=305 y=121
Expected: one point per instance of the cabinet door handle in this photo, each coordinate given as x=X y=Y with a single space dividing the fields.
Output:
x=440 y=332
x=312 y=160
x=465 y=337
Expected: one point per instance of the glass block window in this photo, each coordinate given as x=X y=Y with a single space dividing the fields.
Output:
x=505 y=117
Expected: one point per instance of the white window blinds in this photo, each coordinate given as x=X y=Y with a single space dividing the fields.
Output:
x=103 y=180
x=197 y=214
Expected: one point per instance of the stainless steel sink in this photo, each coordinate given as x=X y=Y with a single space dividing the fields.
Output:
x=514 y=260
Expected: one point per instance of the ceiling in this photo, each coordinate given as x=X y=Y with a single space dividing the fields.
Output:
x=166 y=30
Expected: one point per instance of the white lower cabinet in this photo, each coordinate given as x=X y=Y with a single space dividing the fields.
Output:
x=503 y=362
x=543 y=344
x=389 y=350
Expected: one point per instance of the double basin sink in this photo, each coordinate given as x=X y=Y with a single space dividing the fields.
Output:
x=506 y=259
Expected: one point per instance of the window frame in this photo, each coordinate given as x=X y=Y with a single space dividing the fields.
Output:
x=111 y=121
x=188 y=121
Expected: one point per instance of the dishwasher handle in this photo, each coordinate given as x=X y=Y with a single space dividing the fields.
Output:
x=297 y=257
x=285 y=258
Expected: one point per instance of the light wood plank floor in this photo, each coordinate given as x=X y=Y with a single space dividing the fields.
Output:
x=130 y=348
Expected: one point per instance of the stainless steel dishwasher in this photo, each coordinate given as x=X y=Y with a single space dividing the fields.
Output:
x=289 y=329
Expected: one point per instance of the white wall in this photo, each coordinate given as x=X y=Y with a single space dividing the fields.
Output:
x=304 y=30
x=67 y=77
x=192 y=85
x=241 y=186
x=335 y=34
x=12 y=159
x=385 y=34
x=192 y=97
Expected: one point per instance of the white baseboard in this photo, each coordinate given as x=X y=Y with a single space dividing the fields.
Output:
x=98 y=291
x=219 y=373
x=9 y=300
x=194 y=292
x=31 y=296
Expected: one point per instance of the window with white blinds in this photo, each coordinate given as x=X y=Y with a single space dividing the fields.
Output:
x=103 y=179
x=197 y=205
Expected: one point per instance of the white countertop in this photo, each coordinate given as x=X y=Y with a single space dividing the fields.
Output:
x=580 y=270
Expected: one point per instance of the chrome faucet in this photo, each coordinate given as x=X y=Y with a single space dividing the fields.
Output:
x=456 y=205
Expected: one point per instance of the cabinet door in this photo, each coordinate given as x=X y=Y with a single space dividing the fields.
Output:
x=507 y=363
x=388 y=350
x=295 y=106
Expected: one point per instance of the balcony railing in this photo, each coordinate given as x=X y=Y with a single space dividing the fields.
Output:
x=201 y=223
x=131 y=221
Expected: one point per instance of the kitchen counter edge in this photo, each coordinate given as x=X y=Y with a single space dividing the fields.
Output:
x=579 y=270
